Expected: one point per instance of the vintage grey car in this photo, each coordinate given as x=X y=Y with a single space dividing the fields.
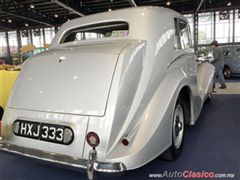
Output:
x=231 y=61
x=114 y=91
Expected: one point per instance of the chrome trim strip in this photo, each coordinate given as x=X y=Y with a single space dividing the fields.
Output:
x=75 y=162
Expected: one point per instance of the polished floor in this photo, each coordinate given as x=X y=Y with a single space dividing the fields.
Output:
x=212 y=145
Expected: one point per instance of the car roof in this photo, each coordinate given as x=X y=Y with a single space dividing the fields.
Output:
x=138 y=17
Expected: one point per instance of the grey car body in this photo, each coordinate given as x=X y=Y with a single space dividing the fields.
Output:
x=141 y=88
x=231 y=61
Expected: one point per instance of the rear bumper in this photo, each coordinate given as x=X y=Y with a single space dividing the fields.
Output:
x=102 y=167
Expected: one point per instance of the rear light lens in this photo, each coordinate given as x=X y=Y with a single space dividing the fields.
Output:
x=93 y=139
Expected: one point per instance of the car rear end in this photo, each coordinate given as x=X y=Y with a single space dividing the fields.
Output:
x=77 y=104
x=55 y=95
x=58 y=95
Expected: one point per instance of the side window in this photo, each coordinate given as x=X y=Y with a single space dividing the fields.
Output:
x=177 y=44
x=184 y=34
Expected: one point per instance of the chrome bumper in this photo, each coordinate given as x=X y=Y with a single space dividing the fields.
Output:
x=74 y=162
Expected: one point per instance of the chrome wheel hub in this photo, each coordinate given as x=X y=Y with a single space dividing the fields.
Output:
x=178 y=126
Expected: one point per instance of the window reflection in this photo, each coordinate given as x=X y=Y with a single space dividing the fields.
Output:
x=189 y=18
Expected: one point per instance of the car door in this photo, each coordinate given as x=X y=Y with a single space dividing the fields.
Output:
x=183 y=48
x=185 y=57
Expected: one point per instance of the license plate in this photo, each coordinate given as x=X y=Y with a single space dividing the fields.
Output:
x=43 y=131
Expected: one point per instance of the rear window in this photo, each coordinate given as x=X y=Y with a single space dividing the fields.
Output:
x=96 y=31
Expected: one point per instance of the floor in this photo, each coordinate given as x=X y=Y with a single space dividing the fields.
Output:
x=211 y=146
x=233 y=87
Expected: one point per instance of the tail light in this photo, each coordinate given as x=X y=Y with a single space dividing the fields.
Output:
x=93 y=139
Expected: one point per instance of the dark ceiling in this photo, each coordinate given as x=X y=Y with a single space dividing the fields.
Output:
x=42 y=13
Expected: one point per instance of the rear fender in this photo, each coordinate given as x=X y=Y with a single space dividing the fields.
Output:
x=155 y=128
x=121 y=98
x=205 y=74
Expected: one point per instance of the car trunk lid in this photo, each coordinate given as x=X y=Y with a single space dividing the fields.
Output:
x=72 y=80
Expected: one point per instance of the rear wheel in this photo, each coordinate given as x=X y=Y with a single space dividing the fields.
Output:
x=227 y=72
x=178 y=128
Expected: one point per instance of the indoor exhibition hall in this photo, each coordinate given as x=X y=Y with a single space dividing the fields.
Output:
x=119 y=89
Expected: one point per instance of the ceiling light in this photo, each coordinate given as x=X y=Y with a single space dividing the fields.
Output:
x=168 y=3
x=229 y=3
x=9 y=20
x=55 y=15
x=26 y=25
x=32 y=6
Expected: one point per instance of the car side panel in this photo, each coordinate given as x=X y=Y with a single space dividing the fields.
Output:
x=155 y=127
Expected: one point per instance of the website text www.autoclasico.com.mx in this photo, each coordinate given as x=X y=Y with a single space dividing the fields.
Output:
x=191 y=174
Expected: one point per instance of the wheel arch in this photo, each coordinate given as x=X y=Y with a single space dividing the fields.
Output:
x=185 y=93
x=226 y=66
x=183 y=96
